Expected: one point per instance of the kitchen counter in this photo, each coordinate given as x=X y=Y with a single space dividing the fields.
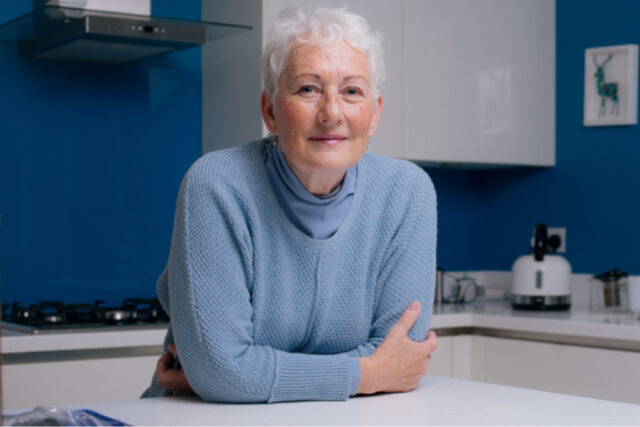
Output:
x=576 y=326
x=491 y=317
x=437 y=401
x=113 y=358
x=16 y=342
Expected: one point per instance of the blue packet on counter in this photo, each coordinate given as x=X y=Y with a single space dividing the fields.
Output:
x=42 y=416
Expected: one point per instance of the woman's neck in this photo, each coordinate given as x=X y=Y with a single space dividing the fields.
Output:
x=317 y=182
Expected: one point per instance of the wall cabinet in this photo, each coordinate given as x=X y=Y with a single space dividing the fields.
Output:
x=468 y=81
x=479 y=80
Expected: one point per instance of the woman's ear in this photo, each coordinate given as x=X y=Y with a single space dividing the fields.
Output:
x=376 y=116
x=266 y=106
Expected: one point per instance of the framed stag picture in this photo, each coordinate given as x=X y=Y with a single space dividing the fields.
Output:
x=611 y=85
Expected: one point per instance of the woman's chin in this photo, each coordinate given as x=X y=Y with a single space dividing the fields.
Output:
x=339 y=156
x=332 y=162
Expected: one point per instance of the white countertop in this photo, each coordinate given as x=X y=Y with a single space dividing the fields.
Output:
x=94 y=339
x=578 y=321
x=490 y=314
x=437 y=401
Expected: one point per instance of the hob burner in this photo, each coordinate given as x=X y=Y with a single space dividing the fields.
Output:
x=53 y=316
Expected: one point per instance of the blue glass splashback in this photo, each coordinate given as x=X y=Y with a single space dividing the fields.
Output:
x=91 y=159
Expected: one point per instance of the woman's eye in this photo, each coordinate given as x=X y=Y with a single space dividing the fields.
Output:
x=306 y=89
x=353 y=91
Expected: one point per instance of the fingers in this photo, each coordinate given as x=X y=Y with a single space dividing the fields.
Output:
x=431 y=343
x=164 y=362
x=407 y=319
x=170 y=378
x=173 y=349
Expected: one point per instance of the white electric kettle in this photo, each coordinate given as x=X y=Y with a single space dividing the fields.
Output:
x=541 y=281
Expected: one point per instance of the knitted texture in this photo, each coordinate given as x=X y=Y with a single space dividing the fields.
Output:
x=259 y=311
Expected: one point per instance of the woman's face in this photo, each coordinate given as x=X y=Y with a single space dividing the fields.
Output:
x=325 y=110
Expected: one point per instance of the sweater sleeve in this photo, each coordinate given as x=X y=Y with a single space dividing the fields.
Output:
x=209 y=300
x=408 y=270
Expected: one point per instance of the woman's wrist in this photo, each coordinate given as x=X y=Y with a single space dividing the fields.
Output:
x=367 y=373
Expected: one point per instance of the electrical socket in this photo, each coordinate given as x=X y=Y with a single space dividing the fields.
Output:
x=561 y=232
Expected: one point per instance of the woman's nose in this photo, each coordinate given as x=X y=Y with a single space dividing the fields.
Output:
x=330 y=113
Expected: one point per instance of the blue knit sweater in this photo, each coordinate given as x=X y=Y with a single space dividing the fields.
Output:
x=260 y=312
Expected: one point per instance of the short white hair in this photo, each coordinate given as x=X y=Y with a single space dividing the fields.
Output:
x=322 y=27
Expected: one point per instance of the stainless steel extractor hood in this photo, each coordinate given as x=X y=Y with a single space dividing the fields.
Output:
x=96 y=36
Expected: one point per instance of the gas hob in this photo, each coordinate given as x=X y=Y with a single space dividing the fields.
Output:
x=49 y=317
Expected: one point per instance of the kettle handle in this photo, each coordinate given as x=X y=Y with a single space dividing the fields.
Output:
x=540 y=242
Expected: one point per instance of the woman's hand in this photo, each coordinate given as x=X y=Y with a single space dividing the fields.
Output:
x=398 y=363
x=170 y=378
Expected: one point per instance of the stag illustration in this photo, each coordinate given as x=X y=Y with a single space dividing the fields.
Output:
x=606 y=90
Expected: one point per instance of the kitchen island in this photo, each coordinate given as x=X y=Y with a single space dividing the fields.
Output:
x=436 y=401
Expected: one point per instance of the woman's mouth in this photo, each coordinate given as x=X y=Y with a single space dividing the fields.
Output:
x=328 y=139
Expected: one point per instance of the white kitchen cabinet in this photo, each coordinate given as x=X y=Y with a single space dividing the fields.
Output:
x=479 y=80
x=582 y=371
x=231 y=82
x=75 y=381
x=459 y=356
x=468 y=81
x=442 y=358
x=468 y=357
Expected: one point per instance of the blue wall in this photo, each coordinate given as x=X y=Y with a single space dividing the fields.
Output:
x=486 y=217
x=91 y=158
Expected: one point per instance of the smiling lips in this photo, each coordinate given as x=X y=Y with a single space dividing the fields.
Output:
x=328 y=139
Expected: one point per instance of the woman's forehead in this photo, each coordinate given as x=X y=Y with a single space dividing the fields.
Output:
x=313 y=58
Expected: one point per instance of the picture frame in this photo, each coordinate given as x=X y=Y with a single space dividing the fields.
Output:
x=611 y=85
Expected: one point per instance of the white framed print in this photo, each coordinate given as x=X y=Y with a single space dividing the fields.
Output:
x=611 y=85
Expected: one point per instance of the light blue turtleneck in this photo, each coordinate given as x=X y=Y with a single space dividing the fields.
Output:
x=319 y=217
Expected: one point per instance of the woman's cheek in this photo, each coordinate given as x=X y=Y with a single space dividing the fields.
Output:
x=362 y=115
x=295 y=113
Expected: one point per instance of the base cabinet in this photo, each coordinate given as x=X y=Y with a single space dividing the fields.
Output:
x=468 y=357
x=459 y=356
x=581 y=371
x=75 y=381
x=442 y=358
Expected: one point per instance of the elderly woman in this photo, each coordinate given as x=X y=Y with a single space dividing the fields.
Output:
x=301 y=267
